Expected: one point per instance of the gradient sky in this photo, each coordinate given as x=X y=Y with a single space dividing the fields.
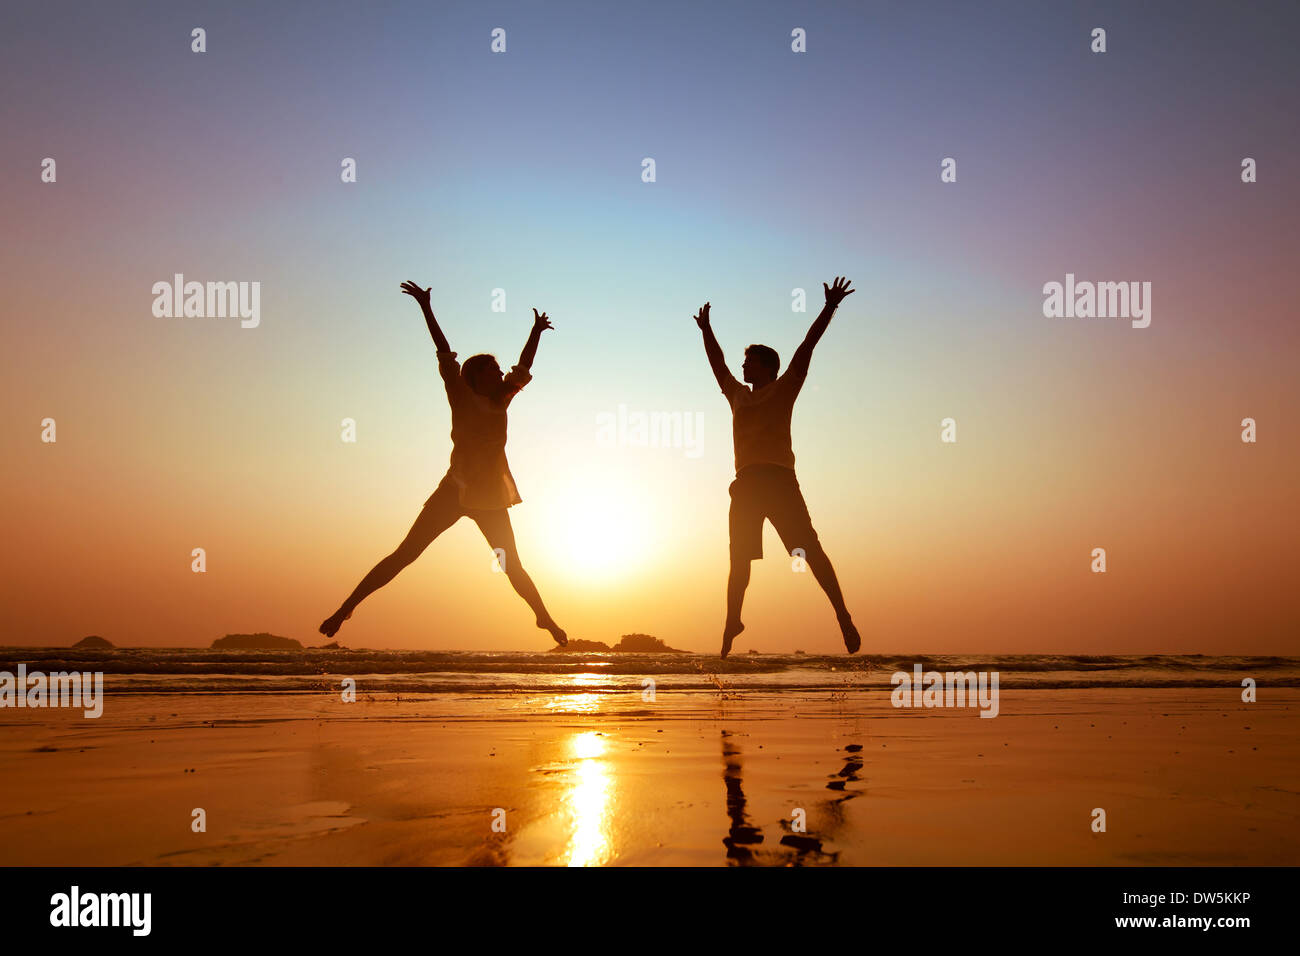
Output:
x=775 y=170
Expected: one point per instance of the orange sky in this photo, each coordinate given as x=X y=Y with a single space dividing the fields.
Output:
x=1073 y=434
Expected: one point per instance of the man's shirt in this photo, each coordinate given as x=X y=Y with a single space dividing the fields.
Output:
x=760 y=419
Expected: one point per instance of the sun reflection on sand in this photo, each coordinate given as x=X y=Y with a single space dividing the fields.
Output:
x=588 y=801
x=574 y=703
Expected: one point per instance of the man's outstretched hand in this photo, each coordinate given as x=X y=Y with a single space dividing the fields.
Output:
x=541 y=322
x=702 y=317
x=836 y=293
x=415 y=292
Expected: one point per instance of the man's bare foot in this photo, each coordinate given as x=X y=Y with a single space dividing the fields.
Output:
x=330 y=626
x=557 y=632
x=729 y=632
x=851 y=639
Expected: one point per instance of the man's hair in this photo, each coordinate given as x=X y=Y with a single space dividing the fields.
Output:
x=475 y=364
x=766 y=356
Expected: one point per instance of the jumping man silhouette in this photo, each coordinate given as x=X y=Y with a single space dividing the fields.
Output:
x=765 y=485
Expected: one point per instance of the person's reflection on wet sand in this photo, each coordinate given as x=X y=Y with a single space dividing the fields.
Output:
x=838 y=782
x=808 y=846
x=796 y=849
x=741 y=835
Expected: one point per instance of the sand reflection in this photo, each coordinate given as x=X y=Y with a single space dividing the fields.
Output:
x=574 y=703
x=587 y=801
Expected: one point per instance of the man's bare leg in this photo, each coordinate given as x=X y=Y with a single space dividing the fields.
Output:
x=737 y=582
x=825 y=575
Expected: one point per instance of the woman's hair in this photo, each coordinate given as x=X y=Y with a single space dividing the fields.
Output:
x=475 y=364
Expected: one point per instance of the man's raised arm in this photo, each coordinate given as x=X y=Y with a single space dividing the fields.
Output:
x=835 y=294
x=717 y=361
x=422 y=296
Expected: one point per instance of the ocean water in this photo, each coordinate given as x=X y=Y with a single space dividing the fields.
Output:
x=188 y=670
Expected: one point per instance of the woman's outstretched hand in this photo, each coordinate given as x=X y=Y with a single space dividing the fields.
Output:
x=540 y=322
x=422 y=296
x=415 y=292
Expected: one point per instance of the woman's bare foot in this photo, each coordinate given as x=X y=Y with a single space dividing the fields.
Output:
x=851 y=639
x=729 y=632
x=557 y=632
x=330 y=626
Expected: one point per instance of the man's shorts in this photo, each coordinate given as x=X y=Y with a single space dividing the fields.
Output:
x=767 y=492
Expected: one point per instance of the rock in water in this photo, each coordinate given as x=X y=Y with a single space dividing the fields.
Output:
x=96 y=642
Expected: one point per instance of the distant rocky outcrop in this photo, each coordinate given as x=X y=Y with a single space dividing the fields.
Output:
x=94 y=642
x=628 y=644
x=582 y=647
x=259 y=641
x=644 y=644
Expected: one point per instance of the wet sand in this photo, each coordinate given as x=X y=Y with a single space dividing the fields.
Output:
x=1186 y=777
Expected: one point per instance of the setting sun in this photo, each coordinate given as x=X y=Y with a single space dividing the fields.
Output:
x=596 y=534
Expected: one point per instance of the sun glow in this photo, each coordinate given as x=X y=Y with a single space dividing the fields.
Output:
x=599 y=534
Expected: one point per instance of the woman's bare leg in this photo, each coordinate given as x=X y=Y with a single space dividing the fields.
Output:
x=495 y=525
x=439 y=514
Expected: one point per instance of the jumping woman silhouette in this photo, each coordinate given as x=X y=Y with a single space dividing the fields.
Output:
x=478 y=484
